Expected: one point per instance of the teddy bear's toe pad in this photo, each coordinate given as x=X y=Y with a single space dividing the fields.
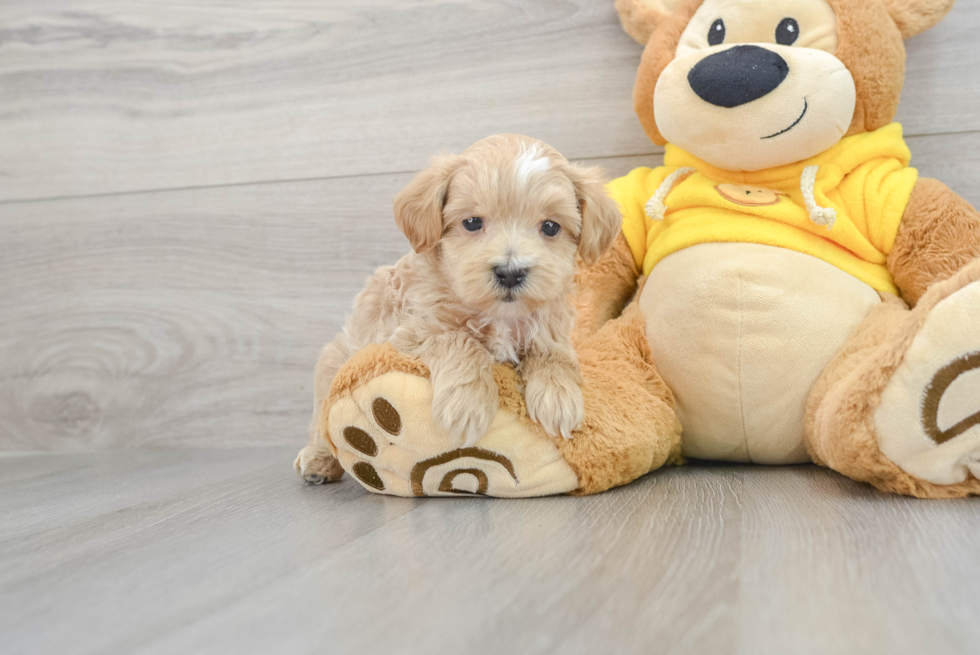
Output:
x=386 y=439
x=928 y=421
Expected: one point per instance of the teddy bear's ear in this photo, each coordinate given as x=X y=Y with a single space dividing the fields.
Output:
x=641 y=17
x=916 y=16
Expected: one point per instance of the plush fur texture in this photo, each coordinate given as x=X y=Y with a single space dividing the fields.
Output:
x=630 y=425
x=604 y=289
x=471 y=219
x=640 y=18
x=916 y=16
x=840 y=425
x=939 y=235
x=869 y=44
x=935 y=252
x=657 y=56
x=796 y=104
x=871 y=47
x=625 y=435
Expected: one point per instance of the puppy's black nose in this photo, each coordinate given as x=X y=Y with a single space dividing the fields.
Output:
x=509 y=277
x=738 y=75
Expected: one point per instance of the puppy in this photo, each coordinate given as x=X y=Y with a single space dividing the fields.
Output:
x=496 y=232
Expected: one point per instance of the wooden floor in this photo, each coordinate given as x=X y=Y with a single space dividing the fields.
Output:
x=209 y=551
x=191 y=193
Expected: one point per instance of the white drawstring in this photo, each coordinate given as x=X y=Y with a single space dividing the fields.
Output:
x=655 y=207
x=819 y=215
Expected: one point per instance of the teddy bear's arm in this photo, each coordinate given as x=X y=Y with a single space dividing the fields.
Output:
x=604 y=289
x=938 y=236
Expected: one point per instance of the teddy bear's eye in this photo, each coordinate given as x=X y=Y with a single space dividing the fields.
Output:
x=788 y=32
x=716 y=35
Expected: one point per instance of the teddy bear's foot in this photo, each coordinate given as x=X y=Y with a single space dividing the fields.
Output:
x=317 y=466
x=900 y=405
x=928 y=421
x=386 y=438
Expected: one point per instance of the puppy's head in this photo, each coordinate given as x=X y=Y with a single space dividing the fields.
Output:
x=506 y=220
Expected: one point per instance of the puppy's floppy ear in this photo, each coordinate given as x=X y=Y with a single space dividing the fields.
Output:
x=641 y=17
x=916 y=16
x=601 y=219
x=418 y=207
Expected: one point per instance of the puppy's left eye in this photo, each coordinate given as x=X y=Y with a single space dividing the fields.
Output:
x=550 y=228
x=473 y=224
x=788 y=32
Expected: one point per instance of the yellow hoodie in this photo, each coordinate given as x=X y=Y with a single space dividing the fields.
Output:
x=842 y=206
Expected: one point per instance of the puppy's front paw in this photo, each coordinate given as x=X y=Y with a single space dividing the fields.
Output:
x=555 y=402
x=466 y=411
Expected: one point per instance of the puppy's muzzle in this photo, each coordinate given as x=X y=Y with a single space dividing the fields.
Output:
x=508 y=277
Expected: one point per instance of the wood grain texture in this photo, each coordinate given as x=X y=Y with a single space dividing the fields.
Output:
x=180 y=318
x=225 y=551
x=194 y=318
x=106 y=96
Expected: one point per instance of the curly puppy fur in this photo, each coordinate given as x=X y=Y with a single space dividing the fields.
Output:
x=489 y=281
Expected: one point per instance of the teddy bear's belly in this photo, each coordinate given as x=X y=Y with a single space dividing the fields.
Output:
x=740 y=333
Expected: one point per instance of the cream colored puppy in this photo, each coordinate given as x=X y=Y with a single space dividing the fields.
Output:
x=496 y=231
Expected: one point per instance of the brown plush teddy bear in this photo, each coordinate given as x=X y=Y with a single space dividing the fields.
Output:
x=786 y=289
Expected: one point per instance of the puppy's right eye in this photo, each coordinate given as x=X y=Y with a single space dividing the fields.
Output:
x=473 y=224
x=716 y=35
x=550 y=228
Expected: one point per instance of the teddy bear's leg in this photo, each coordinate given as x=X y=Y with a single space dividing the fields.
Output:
x=378 y=417
x=899 y=406
x=379 y=422
x=604 y=289
x=631 y=426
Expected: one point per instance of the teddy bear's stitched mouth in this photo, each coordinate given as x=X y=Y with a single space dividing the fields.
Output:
x=806 y=106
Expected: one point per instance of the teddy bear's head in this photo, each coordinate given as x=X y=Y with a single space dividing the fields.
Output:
x=747 y=85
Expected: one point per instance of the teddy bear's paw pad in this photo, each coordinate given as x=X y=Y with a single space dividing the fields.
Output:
x=465 y=471
x=928 y=421
x=388 y=441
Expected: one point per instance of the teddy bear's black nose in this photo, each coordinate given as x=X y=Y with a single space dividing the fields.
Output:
x=738 y=75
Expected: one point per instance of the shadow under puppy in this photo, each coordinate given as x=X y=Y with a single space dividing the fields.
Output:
x=496 y=233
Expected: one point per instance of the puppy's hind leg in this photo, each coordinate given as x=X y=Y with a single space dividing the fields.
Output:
x=315 y=462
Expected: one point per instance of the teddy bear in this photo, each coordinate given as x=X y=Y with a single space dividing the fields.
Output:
x=785 y=289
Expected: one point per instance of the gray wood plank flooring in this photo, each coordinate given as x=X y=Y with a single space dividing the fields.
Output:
x=104 y=96
x=224 y=551
x=191 y=193
x=194 y=318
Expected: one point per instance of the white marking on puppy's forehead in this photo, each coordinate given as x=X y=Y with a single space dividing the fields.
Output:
x=529 y=162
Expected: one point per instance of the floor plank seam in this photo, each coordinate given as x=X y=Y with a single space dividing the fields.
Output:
x=328 y=178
